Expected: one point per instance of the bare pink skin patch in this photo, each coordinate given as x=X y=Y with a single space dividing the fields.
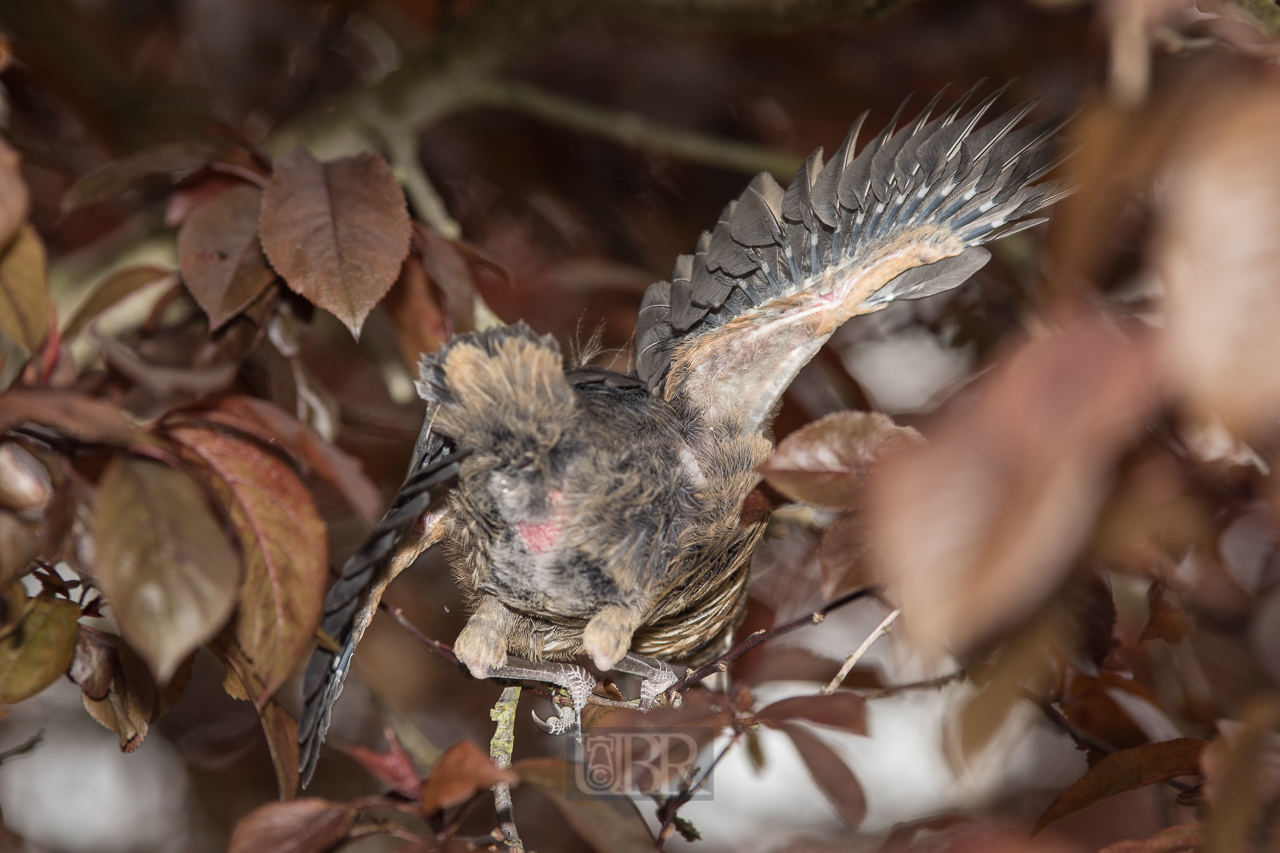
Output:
x=539 y=537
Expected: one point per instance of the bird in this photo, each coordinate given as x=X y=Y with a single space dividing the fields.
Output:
x=593 y=513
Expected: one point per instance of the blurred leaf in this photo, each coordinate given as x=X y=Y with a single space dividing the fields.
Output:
x=449 y=265
x=19 y=545
x=1219 y=255
x=193 y=191
x=1264 y=634
x=39 y=649
x=843 y=555
x=283 y=546
x=24 y=291
x=275 y=427
x=114 y=178
x=164 y=564
x=15 y=199
x=462 y=770
x=219 y=254
x=1024 y=658
x=25 y=483
x=1089 y=702
x=1124 y=771
x=74 y=415
x=118 y=690
x=1166 y=620
x=847 y=711
x=393 y=768
x=278 y=725
x=979 y=528
x=608 y=824
x=309 y=825
x=420 y=323
x=832 y=776
x=337 y=232
x=1242 y=777
x=162 y=381
x=826 y=462
x=110 y=291
x=1186 y=838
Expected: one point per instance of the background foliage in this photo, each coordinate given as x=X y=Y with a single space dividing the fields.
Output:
x=228 y=228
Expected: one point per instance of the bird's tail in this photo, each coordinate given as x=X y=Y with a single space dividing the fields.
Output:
x=903 y=218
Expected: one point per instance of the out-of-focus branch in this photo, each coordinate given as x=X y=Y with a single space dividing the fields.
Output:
x=631 y=129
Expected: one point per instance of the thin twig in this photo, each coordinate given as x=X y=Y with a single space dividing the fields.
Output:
x=23 y=748
x=443 y=649
x=401 y=143
x=633 y=130
x=673 y=804
x=721 y=663
x=852 y=660
x=927 y=684
x=500 y=749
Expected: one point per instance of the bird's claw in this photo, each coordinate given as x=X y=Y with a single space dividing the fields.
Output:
x=567 y=720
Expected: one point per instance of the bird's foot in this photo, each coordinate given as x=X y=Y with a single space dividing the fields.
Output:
x=658 y=676
x=575 y=680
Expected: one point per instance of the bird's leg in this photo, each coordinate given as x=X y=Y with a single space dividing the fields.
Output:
x=658 y=676
x=482 y=646
x=577 y=681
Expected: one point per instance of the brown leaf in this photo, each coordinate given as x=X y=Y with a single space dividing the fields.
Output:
x=1185 y=838
x=462 y=770
x=118 y=690
x=1125 y=771
x=160 y=380
x=273 y=426
x=309 y=825
x=608 y=824
x=24 y=291
x=167 y=570
x=115 y=177
x=416 y=313
x=832 y=776
x=74 y=415
x=843 y=555
x=218 y=252
x=1264 y=634
x=193 y=191
x=1166 y=620
x=981 y=526
x=1218 y=255
x=337 y=232
x=25 y=484
x=1242 y=776
x=39 y=649
x=15 y=199
x=449 y=265
x=19 y=545
x=393 y=768
x=109 y=292
x=283 y=546
x=278 y=725
x=842 y=710
x=826 y=462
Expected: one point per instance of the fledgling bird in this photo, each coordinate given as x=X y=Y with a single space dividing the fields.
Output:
x=588 y=512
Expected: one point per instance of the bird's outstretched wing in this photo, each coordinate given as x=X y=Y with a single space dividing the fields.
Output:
x=414 y=522
x=903 y=218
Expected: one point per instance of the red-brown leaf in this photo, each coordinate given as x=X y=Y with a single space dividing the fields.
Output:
x=273 y=426
x=832 y=776
x=462 y=770
x=1125 y=771
x=24 y=291
x=283 y=546
x=74 y=415
x=393 y=768
x=608 y=824
x=337 y=232
x=826 y=462
x=843 y=555
x=35 y=653
x=219 y=254
x=113 y=178
x=841 y=710
x=416 y=313
x=166 y=568
x=981 y=526
x=309 y=825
